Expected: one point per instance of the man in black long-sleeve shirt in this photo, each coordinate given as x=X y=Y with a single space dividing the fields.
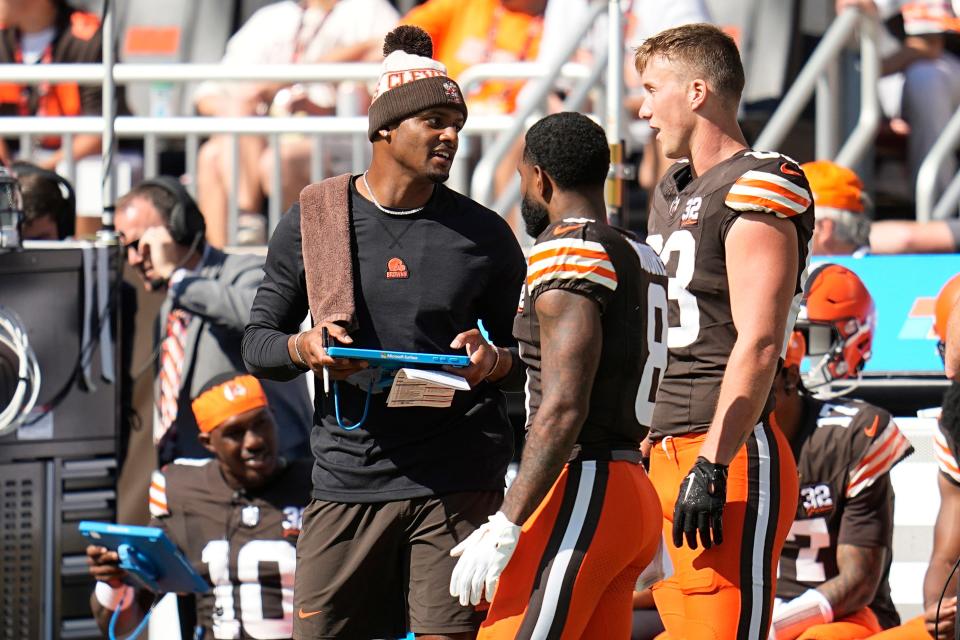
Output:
x=395 y=494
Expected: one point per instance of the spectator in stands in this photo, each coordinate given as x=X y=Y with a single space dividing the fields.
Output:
x=311 y=31
x=909 y=236
x=49 y=32
x=208 y=298
x=834 y=568
x=843 y=213
x=49 y=204
x=844 y=224
x=248 y=489
x=930 y=72
x=469 y=33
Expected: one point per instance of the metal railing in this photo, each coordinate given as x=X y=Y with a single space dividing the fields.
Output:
x=819 y=75
x=928 y=206
x=192 y=129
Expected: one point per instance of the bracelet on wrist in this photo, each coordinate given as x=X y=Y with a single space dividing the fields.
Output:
x=496 y=363
x=296 y=348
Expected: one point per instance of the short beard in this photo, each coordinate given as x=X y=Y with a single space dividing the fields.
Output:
x=535 y=216
x=437 y=177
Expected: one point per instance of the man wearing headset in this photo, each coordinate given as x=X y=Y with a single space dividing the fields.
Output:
x=208 y=298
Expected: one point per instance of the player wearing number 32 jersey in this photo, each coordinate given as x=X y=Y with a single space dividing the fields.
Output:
x=581 y=520
x=732 y=226
x=833 y=571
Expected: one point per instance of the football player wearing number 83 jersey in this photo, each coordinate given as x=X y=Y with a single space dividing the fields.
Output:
x=236 y=517
x=581 y=520
x=733 y=227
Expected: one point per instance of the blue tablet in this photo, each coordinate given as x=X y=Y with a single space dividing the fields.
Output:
x=397 y=359
x=151 y=560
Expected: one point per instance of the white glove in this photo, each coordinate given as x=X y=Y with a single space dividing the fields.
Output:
x=483 y=556
x=792 y=618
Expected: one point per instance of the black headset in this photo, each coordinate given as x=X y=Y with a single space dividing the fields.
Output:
x=65 y=227
x=187 y=226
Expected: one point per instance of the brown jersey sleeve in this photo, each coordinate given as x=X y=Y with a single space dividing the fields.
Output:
x=867 y=519
x=945 y=452
x=879 y=445
x=774 y=185
x=569 y=255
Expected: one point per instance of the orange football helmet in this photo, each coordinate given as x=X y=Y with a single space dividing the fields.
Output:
x=796 y=350
x=837 y=320
x=947 y=299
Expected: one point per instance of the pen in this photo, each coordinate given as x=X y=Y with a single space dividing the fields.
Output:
x=326 y=372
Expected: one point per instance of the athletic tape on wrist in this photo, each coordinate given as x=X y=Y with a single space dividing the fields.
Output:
x=111 y=598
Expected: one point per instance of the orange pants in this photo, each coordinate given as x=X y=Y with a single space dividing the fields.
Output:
x=579 y=556
x=860 y=624
x=913 y=629
x=726 y=592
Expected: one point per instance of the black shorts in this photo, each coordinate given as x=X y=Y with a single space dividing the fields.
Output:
x=382 y=569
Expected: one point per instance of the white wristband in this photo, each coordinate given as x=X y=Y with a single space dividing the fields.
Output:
x=111 y=598
x=791 y=618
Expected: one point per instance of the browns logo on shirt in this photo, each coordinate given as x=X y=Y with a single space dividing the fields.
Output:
x=629 y=284
x=688 y=225
x=847 y=450
x=242 y=542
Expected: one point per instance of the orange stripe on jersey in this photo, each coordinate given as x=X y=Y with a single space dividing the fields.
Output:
x=866 y=472
x=769 y=186
x=945 y=456
x=763 y=202
x=887 y=442
x=606 y=273
x=563 y=251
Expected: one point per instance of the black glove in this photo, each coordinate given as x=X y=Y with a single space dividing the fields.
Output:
x=700 y=505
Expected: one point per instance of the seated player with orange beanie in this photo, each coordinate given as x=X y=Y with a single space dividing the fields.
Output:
x=833 y=577
x=236 y=517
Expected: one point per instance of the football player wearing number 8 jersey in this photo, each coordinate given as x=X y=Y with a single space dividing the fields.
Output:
x=733 y=228
x=236 y=518
x=581 y=519
x=833 y=571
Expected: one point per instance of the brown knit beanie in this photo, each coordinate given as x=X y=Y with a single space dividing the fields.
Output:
x=411 y=81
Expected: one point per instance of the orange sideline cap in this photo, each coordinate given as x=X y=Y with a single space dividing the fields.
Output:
x=947 y=299
x=218 y=404
x=796 y=349
x=833 y=186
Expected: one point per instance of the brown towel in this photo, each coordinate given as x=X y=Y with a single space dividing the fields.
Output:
x=327 y=258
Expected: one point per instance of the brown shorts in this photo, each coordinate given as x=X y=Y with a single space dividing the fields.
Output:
x=380 y=570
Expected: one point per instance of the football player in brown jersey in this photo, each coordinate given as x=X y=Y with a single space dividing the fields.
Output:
x=835 y=563
x=236 y=517
x=940 y=582
x=733 y=226
x=591 y=330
